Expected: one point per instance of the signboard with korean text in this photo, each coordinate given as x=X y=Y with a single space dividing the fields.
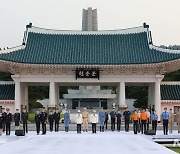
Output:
x=87 y=73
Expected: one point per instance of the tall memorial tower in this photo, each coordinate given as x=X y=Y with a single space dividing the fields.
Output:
x=89 y=19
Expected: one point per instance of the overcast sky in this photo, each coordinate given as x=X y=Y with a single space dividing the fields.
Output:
x=163 y=16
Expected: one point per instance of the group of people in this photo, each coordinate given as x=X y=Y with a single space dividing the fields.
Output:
x=141 y=120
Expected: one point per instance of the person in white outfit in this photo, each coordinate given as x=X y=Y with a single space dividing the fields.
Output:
x=79 y=121
x=94 y=121
x=148 y=118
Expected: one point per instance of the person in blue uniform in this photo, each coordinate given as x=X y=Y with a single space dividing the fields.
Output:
x=101 y=120
x=8 y=121
x=57 y=119
x=106 y=118
x=37 y=121
x=66 y=120
x=118 y=117
x=43 y=121
x=17 y=119
x=24 y=118
x=127 y=115
x=154 y=119
x=165 y=118
x=113 y=118
x=51 y=121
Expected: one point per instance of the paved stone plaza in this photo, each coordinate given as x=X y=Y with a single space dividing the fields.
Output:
x=73 y=143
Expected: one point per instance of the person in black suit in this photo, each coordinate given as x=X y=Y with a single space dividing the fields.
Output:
x=8 y=122
x=113 y=117
x=106 y=118
x=4 y=114
x=127 y=115
x=1 y=123
x=24 y=118
x=43 y=121
x=37 y=121
x=17 y=119
x=51 y=120
x=56 y=119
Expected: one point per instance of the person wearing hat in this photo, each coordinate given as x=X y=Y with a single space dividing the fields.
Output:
x=85 y=119
x=118 y=117
x=66 y=120
x=1 y=123
x=37 y=121
x=94 y=121
x=8 y=122
x=178 y=120
x=43 y=121
x=57 y=119
x=79 y=121
x=24 y=118
x=4 y=114
x=154 y=119
x=171 y=121
x=101 y=120
x=17 y=119
x=51 y=121
x=165 y=118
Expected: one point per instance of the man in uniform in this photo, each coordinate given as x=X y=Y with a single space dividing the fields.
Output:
x=51 y=120
x=56 y=119
x=148 y=118
x=85 y=120
x=43 y=121
x=165 y=118
x=154 y=118
x=37 y=121
x=127 y=115
x=24 y=118
x=113 y=118
x=66 y=120
x=101 y=120
x=118 y=117
x=4 y=114
x=17 y=119
x=178 y=120
x=171 y=121
x=106 y=118
x=8 y=122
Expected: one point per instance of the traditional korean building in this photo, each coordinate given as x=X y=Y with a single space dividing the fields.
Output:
x=75 y=58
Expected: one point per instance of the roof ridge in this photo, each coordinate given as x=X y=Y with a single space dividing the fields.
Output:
x=133 y=30
x=164 y=50
x=7 y=82
x=170 y=83
x=12 y=49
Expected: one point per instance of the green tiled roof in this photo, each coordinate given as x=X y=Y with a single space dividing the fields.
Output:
x=117 y=49
x=170 y=92
x=7 y=91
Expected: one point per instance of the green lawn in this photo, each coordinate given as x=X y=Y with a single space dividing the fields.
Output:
x=176 y=149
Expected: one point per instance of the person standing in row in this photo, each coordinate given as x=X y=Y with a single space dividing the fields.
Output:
x=165 y=118
x=178 y=120
x=43 y=121
x=135 y=119
x=94 y=121
x=106 y=118
x=101 y=120
x=143 y=121
x=37 y=121
x=171 y=121
x=139 y=121
x=4 y=114
x=51 y=120
x=66 y=120
x=154 y=118
x=127 y=115
x=8 y=122
x=17 y=119
x=79 y=121
x=113 y=118
x=24 y=118
x=85 y=120
x=57 y=119
x=1 y=123
x=118 y=117
x=148 y=118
